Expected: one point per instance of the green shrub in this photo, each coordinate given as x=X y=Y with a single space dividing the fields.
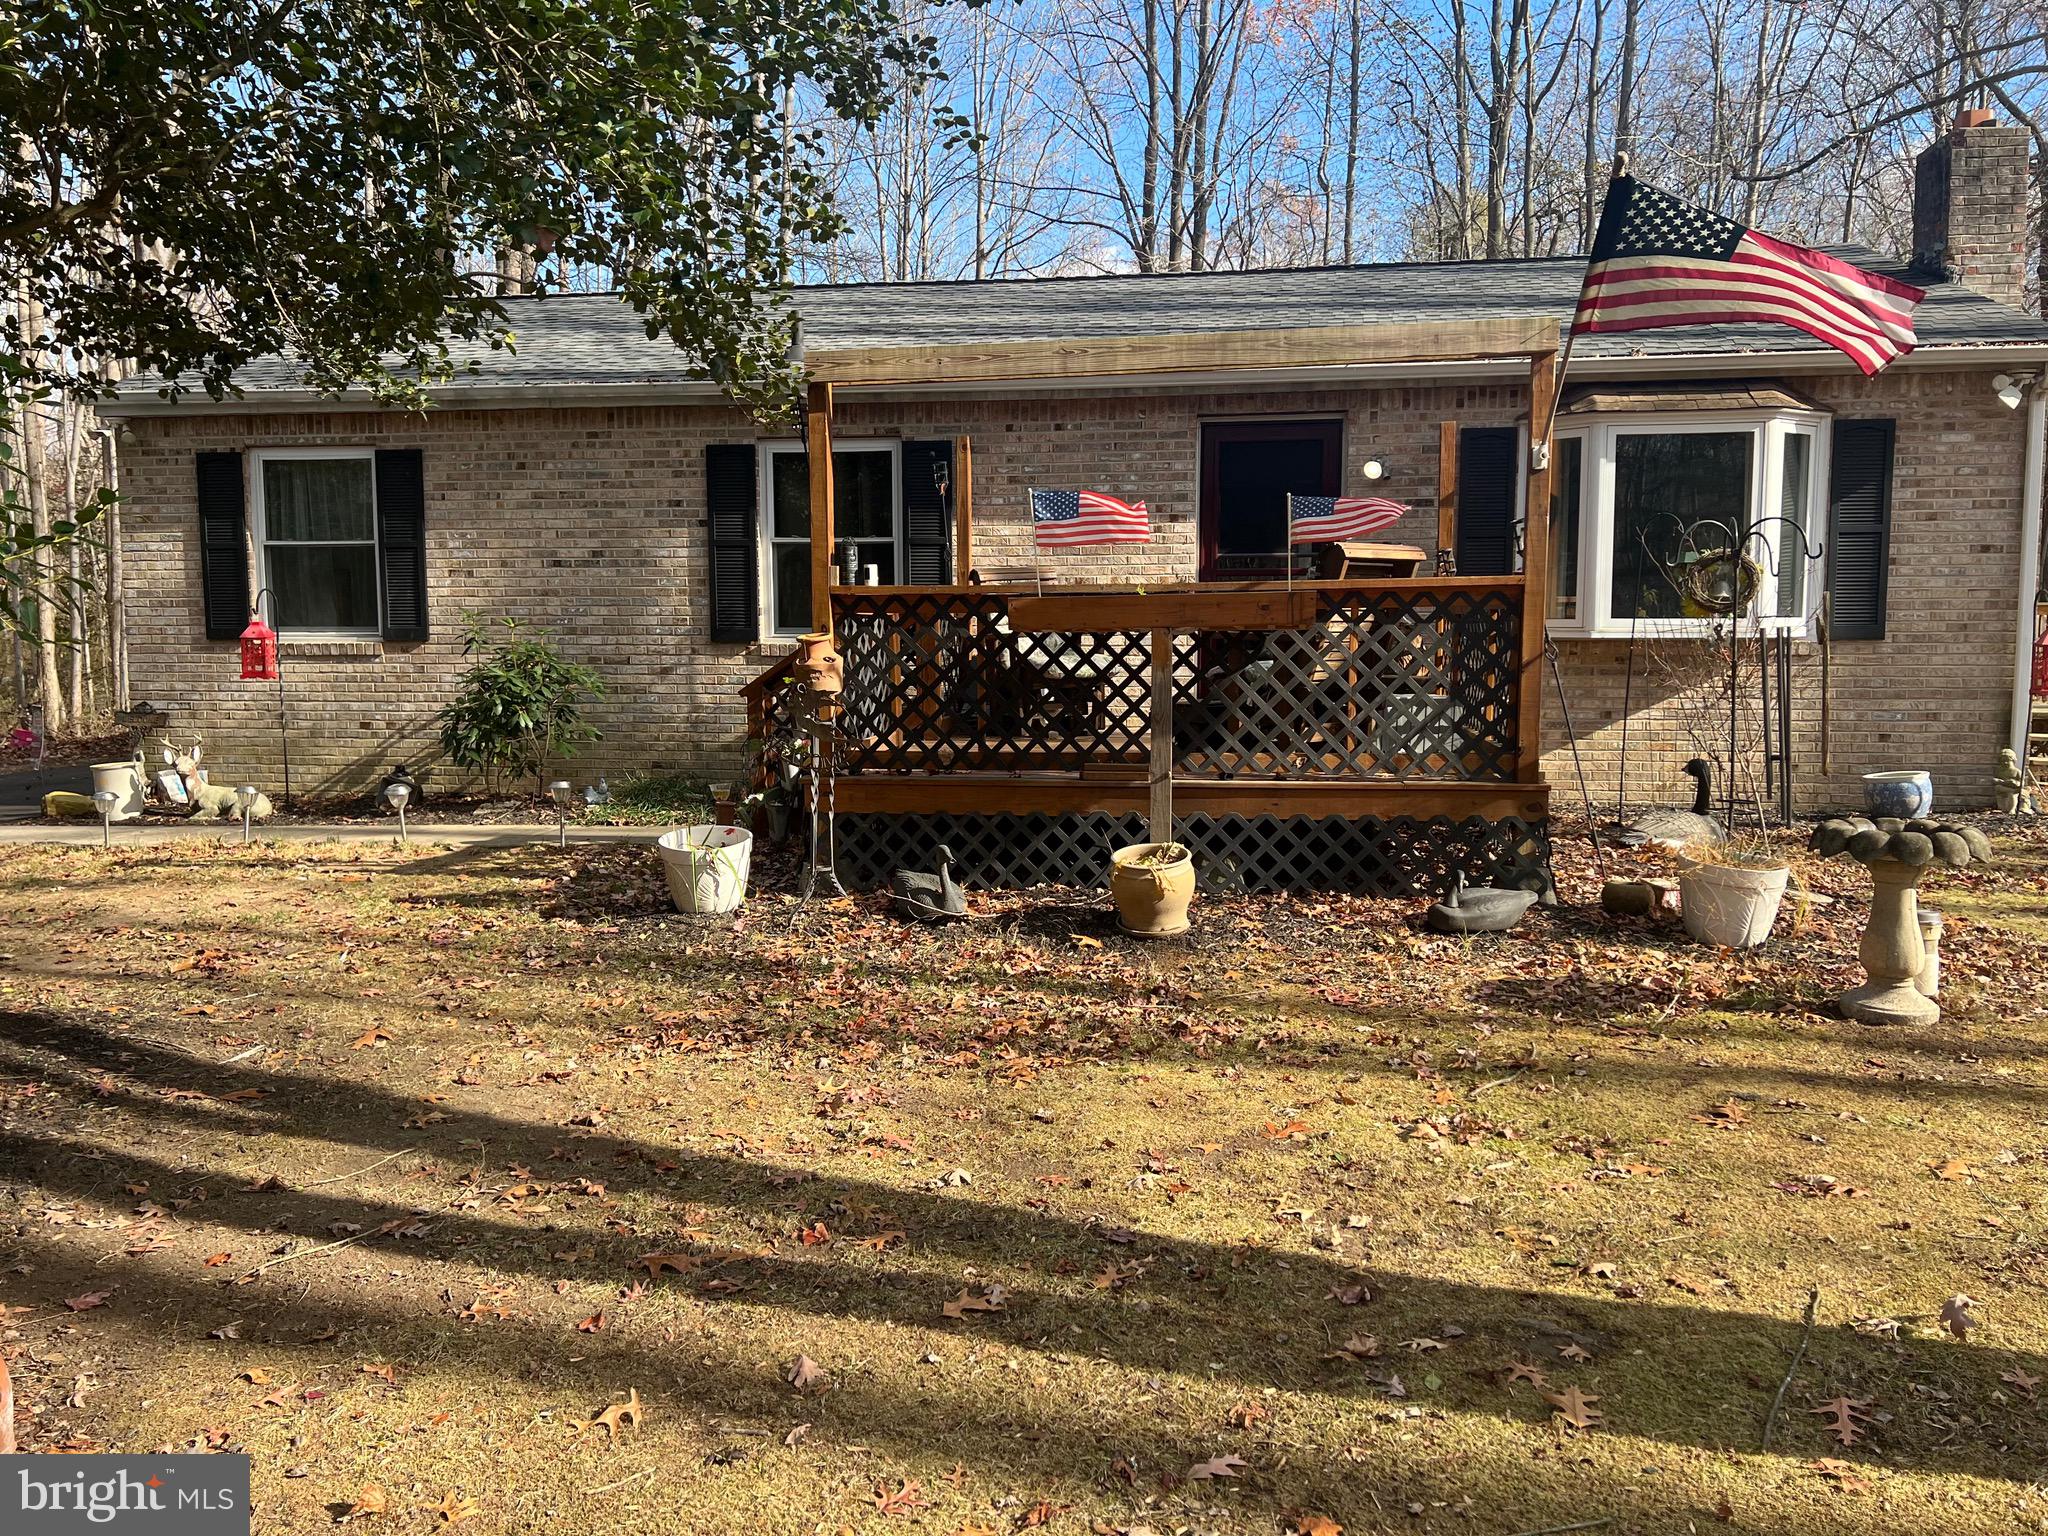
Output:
x=518 y=705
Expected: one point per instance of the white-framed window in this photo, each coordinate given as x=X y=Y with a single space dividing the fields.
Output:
x=1639 y=499
x=867 y=507
x=313 y=525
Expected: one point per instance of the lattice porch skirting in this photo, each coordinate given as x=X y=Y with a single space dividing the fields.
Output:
x=1397 y=856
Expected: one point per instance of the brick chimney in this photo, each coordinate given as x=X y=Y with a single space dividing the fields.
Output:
x=1970 y=207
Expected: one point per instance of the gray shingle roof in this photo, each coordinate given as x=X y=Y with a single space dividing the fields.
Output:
x=567 y=340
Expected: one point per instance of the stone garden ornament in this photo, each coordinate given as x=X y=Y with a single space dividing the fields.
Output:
x=1898 y=854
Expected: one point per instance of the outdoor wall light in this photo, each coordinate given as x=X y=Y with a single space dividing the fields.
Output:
x=560 y=790
x=106 y=800
x=245 y=801
x=395 y=795
x=2010 y=390
x=1374 y=469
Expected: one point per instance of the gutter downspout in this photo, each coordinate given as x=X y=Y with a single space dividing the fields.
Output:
x=2030 y=569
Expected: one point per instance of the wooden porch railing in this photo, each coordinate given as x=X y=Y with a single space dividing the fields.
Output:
x=771 y=699
x=1386 y=680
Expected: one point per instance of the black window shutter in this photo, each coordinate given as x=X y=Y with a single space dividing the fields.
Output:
x=1859 y=528
x=402 y=541
x=223 y=546
x=733 y=513
x=927 y=515
x=1486 y=500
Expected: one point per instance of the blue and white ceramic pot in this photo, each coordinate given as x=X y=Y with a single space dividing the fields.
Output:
x=1905 y=793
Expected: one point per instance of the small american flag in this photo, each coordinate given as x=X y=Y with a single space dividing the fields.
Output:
x=1326 y=519
x=1070 y=519
x=1658 y=261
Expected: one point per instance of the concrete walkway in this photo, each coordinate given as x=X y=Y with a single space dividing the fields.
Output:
x=143 y=834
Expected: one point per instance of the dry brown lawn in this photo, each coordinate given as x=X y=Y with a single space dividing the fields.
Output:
x=399 y=1171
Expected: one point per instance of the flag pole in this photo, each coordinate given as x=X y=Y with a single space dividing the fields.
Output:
x=1571 y=335
x=1287 y=547
x=1037 y=571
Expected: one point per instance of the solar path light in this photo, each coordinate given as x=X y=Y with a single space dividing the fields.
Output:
x=560 y=790
x=396 y=795
x=245 y=802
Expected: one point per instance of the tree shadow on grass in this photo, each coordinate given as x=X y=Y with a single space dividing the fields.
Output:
x=1324 y=1453
x=1260 y=1317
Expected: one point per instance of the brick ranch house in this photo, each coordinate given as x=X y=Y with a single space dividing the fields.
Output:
x=589 y=485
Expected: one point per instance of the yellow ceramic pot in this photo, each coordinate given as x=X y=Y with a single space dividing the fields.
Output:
x=1152 y=884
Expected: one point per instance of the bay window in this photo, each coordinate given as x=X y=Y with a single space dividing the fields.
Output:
x=1640 y=501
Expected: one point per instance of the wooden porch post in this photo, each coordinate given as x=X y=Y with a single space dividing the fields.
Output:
x=1535 y=568
x=818 y=452
x=1447 y=487
x=1160 y=807
x=963 y=509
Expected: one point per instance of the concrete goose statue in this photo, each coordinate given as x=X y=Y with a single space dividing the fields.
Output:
x=929 y=898
x=1675 y=829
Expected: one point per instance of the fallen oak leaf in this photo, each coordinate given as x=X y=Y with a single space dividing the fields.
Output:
x=87 y=1302
x=375 y=1035
x=2020 y=1381
x=1849 y=1416
x=1317 y=1525
x=1573 y=1406
x=681 y=1263
x=908 y=1495
x=1216 y=1467
x=1529 y=1371
x=618 y=1415
x=454 y=1507
x=372 y=1500
x=1841 y=1474
x=806 y=1375
x=992 y=1299
x=591 y=1324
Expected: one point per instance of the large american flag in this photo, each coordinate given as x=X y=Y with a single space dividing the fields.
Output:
x=1070 y=519
x=1658 y=261
x=1328 y=519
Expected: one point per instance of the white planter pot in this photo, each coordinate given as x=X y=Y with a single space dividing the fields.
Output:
x=706 y=867
x=1731 y=905
x=123 y=780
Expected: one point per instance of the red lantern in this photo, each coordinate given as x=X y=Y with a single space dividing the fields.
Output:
x=259 y=652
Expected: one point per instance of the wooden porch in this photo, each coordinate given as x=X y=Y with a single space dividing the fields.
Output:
x=1389 y=725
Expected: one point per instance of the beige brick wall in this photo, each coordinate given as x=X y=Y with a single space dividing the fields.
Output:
x=591 y=521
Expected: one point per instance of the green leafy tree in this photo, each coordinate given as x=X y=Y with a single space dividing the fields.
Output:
x=518 y=705
x=187 y=185
x=197 y=183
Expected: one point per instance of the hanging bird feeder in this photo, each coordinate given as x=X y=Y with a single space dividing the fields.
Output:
x=259 y=652
x=260 y=665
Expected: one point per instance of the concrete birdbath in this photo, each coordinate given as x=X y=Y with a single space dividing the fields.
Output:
x=1898 y=854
